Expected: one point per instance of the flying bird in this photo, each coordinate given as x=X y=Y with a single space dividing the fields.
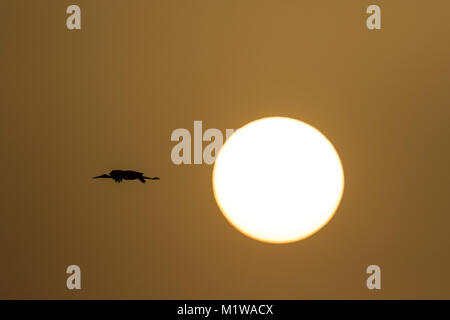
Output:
x=119 y=175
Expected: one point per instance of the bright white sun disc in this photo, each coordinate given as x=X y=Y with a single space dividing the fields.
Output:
x=278 y=180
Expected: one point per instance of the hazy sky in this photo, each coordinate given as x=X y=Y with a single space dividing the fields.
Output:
x=75 y=104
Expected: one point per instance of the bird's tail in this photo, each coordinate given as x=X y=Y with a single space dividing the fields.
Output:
x=148 y=178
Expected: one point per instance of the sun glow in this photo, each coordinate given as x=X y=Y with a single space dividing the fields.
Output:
x=278 y=180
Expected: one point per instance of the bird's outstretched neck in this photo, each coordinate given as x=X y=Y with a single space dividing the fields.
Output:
x=102 y=176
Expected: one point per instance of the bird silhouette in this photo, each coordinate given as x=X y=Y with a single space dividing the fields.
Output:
x=119 y=175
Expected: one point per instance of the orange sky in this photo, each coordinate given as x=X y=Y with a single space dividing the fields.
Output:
x=75 y=104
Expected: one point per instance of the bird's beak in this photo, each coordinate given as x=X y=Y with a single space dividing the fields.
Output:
x=102 y=176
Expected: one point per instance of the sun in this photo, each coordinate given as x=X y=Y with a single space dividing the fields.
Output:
x=278 y=180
